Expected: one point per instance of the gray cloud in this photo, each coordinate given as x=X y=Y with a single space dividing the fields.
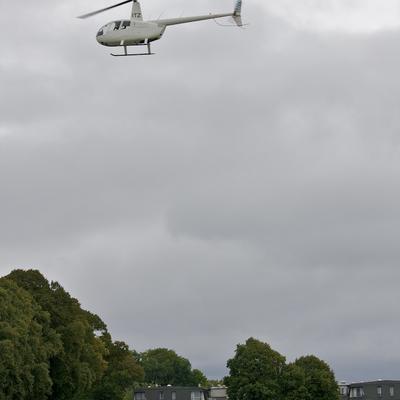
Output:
x=239 y=183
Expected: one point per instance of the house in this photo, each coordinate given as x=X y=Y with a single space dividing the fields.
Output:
x=374 y=390
x=343 y=390
x=180 y=393
x=217 y=393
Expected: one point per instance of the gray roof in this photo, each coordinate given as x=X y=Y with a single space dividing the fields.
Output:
x=193 y=388
x=377 y=382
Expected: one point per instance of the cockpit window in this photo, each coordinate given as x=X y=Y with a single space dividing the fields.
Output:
x=113 y=26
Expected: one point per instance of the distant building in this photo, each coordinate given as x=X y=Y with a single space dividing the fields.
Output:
x=343 y=390
x=180 y=393
x=217 y=393
x=374 y=390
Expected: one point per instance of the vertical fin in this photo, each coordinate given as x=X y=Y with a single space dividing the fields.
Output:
x=237 y=13
x=238 y=9
x=136 y=12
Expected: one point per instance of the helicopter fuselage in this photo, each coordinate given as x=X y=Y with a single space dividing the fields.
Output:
x=136 y=32
x=129 y=33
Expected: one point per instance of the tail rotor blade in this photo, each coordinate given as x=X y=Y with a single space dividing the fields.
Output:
x=91 y=14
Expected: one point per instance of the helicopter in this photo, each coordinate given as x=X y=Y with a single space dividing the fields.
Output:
x=136 y=32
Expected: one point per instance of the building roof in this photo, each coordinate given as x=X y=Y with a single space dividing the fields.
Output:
x=377 y=382
x=193 y=388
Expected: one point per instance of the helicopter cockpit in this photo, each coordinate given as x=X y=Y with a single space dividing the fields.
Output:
x=114 y=26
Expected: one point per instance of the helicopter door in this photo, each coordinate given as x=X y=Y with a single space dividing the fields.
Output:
x=125 y=24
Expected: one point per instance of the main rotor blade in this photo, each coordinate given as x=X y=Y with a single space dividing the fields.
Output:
x=103 y=9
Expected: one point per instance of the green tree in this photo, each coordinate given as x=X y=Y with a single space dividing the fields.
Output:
x=165 y=367
x=319 y=379
x=27 y=342
x=293 y=383
x=198 y=378
x=122 y=372
x=80 y=363
x=255 y=372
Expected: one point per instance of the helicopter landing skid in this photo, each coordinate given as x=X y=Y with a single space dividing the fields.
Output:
x=126 y=54
x=132 y=54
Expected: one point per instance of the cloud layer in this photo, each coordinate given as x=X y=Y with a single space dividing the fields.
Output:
x=238 y=183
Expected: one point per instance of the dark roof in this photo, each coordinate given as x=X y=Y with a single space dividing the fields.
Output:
x=380 y=381
x=193 y=388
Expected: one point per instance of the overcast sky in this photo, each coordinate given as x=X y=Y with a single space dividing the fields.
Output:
x=238 y=183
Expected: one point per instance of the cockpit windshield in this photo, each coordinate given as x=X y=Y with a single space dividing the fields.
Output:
x=113 y=26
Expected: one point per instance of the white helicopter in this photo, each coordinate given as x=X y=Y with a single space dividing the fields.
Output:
x=136 y=32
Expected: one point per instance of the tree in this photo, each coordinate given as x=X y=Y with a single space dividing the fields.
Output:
x=80 y=362
x=121 y=374
x=165 y=367
x=319 y=380
x=293 y=384
x=27 y=342
x=255 y=372
x=198 y=378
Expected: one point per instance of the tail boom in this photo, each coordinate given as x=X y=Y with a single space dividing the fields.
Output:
x=236 y=15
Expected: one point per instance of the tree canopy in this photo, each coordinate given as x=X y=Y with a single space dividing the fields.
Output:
x=81 y=361
x=294 y=383
x=320 y=381
x=165 y=367
x=53 y=349
x=121 y=373
x=27 y=343
x=257 y=372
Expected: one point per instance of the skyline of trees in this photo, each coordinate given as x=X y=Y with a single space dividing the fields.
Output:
x=52 y=349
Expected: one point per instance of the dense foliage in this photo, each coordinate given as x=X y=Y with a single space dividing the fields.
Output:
x=27 y=343
x=255 y=372
x=122 y=371
x=53 y=349
x=165 y=367
x=319 y=379
x=258 y=372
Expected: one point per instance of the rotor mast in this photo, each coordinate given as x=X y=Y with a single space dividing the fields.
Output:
x=136 y=12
